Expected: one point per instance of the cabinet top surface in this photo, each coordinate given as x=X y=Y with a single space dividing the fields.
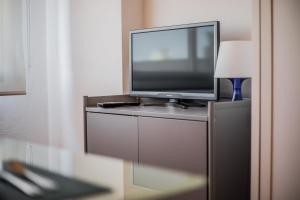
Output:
x=192 y=113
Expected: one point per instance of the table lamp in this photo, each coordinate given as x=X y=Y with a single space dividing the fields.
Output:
x=234 y=62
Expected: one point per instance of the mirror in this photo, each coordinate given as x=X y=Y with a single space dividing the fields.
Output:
x=14 y=46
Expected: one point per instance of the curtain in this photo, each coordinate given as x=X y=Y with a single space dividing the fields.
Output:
x=13 y=45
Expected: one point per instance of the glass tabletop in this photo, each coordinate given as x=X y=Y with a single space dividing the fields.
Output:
x=128 y=180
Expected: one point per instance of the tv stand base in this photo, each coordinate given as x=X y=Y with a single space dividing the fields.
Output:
x=176 y=103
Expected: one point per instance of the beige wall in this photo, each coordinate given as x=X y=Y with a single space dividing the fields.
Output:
x=286 y=97
x=235 y=15
x=255 y=103
x=279 y=47
x=132 y=18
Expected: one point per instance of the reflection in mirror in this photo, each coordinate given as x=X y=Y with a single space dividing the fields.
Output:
x=14 y=46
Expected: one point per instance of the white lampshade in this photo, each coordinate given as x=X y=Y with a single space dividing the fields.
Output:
x=235 y=60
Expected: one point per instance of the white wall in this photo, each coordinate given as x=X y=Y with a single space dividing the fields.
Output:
x=96 y=42
x=97 y=46
x=60 y=73
x=85 y=58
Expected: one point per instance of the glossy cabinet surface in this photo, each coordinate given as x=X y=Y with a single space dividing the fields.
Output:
x=112 y=135
x=179 y=144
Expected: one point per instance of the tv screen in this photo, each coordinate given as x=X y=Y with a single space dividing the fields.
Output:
x=175 y=62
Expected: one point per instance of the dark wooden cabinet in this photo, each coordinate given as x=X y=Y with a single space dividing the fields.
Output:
x=112 y=135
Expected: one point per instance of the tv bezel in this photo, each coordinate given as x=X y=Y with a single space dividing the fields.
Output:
x=177 y=95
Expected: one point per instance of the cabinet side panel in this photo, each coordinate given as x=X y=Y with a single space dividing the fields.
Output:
x=231 y=137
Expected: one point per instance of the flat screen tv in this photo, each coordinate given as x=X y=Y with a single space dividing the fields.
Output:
x=176 y=62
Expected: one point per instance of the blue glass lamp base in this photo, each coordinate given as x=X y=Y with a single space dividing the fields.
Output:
x=237 y=88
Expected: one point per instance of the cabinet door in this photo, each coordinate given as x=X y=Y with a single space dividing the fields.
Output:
x=178 y=144
x=112 y=135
